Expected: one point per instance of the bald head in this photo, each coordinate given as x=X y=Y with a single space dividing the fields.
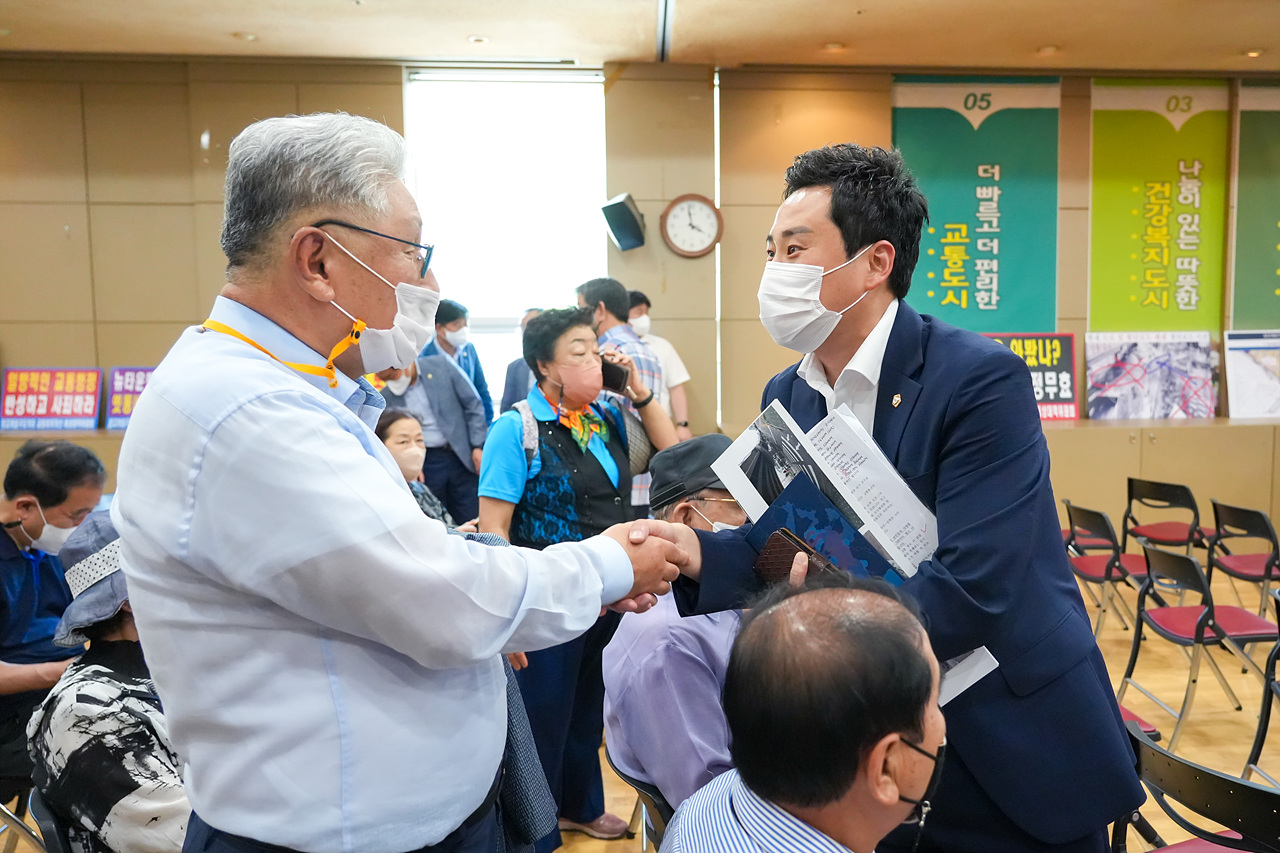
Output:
x=816 y=678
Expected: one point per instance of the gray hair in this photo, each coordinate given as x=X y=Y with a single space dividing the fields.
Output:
x=281 y=166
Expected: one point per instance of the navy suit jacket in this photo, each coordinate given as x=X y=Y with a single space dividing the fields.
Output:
x=518 y=383
x=455 y=405
x=956 y=414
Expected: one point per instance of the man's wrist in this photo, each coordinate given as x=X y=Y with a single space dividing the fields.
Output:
x=640 y=404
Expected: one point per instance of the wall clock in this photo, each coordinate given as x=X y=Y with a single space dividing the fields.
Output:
x=691 y=225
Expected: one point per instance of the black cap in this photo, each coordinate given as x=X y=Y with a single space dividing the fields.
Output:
x=685 y=469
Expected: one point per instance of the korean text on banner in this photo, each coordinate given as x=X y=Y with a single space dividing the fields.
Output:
x=124 y=386
x=1052 y=362
x=49 y=398
x=1158 y=205
x=985 y=153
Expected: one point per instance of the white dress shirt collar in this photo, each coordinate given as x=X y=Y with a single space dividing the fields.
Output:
x=857 y=383
x=358 y=395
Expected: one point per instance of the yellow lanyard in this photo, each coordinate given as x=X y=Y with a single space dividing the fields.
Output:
x=327 y=372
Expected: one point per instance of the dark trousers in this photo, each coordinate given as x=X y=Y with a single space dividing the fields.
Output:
x=452 y=482
x=965 y=820
x=563 y=691
x=479 y=837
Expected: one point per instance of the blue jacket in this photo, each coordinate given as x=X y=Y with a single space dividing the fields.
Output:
x=1042 y=735
x=454 y=404
x=468 y=361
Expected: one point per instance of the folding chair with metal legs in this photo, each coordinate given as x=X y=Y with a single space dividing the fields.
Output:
x=1163 y=496
x=1270 y=693
x=1262 y=567
x=1185 y=791
x=1194 y=627
x=1105 y=569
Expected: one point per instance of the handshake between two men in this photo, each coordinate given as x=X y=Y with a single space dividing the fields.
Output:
x=660 y=552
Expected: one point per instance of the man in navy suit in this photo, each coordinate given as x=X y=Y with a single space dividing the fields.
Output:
x=1038 y=758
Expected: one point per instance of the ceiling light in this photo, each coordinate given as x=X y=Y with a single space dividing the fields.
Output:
x=1047 y=50
x=1253 y=54
x=833 y=46
x=245 y=36
x=478 y=39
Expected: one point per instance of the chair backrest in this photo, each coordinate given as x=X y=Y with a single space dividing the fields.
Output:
x=1235 y=521
x=1167 y=569
x=1242 y=807
x=1092 y=524
x=658 y=809
x=1160 y=496
x=52 y=829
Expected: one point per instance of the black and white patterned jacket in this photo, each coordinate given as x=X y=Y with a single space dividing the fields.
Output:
x=103 y=759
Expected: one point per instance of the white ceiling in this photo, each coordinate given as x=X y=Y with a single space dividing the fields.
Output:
x=1121 y=35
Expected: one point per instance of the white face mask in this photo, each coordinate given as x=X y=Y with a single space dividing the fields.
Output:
x=640 y=325
x=457 y=338
x=716 y=526
x=51 y=539
x=411 y=330
x=790 y=305
x=409 y=459
x=399 y=386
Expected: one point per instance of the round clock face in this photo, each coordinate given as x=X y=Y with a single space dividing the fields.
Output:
x=691 y=226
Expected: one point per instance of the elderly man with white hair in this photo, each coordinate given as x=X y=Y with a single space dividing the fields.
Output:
x=328 y=657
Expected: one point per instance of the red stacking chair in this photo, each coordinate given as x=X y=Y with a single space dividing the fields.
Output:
x=1147 y=729
x=1196 y=626
x=1105 y=569
x=1079 y=544
x=1270 y=693
x=1247 y=810
x=1262 y=567
x=1163 y=496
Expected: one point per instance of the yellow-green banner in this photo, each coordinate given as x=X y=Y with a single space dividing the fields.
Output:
x=1158 y=205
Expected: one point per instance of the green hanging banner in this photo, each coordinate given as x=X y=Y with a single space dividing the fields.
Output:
x=1158 y=205
x=985 y=152
x=1257 y=271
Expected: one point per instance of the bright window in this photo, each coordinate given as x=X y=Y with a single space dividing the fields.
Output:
x=509 y=173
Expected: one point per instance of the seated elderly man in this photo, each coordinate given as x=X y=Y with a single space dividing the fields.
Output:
x=49 y=488
x=832 y=701
x=100 y=744
x=663 y=673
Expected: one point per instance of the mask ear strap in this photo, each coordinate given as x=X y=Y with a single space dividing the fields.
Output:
x=352 y=338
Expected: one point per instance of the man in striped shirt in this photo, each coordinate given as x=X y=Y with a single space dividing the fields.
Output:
x=832 y=702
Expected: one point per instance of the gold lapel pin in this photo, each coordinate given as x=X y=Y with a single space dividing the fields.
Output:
x=897 y=398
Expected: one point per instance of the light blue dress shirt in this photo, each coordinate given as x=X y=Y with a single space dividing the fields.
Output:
x=326 y=654
x=725 y=816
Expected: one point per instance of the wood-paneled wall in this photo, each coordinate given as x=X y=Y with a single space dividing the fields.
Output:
x=110 y=203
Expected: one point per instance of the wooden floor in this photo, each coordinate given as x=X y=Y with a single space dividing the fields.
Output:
x=1216 y=735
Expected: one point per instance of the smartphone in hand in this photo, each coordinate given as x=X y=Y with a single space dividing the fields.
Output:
x=615 y=376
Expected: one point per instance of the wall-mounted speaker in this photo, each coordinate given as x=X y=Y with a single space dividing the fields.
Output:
x=625 y=221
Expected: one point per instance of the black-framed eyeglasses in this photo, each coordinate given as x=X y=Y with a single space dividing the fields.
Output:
x=424 y=252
